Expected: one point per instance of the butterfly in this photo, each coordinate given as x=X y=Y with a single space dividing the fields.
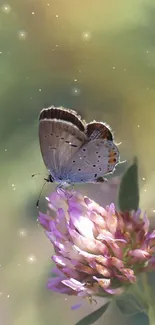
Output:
x=75 y=151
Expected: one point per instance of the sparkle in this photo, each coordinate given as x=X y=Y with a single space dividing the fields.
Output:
x=31 y=259
x=6 y=150
x=145 y=190
x=6 y=8
x=8 y=296
x=86 y=36
x=22 y=35
x=22 y=232
x=13 y=187
x=33 y=13
x=39 y=89
x=114 y=67
x=75 y=91
x=147 y=51
x=143 y=178
x=56 y=16
x=48 y=4
x=138 y=126
x=75 y=80
x=0 y=52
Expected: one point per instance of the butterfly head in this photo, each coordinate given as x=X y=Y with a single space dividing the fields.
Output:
x=49 y=179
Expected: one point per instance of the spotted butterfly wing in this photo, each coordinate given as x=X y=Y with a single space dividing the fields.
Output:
x=93 y=160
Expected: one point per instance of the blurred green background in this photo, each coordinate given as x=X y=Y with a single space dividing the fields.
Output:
x=97 y=57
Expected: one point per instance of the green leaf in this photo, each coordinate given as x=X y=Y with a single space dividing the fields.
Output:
x=128 y=305
x=94 y=316
x=129 y=190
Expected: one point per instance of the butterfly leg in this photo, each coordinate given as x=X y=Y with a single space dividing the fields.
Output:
x=49 y=179
x=63 y=189
x=101 y=180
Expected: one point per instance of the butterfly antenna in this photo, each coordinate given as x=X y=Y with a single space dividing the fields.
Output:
x=37 y=203
x=38 y=174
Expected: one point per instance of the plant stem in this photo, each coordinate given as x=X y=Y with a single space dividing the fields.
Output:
x=151 y=315
x=149 y=298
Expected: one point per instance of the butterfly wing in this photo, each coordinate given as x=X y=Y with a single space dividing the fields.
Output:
x=92 y=161
x=98 y=130
x=60 y=135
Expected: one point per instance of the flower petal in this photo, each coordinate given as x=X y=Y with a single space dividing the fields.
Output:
x=98 y=268
x=81 y=223
x=104 y=283
x=150 y=239
x=44 y=220
x=126 y=275
x=111 y=219
x=62 y=261
x=151 y=265
x=139 y=254
x=74 y=284
x=115 y=291
x=92 y=246
x=94 y=207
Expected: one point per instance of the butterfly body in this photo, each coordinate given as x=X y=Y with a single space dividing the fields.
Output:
x=73 y=151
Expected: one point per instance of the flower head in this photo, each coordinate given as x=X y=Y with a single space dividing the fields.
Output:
x=98 y=251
